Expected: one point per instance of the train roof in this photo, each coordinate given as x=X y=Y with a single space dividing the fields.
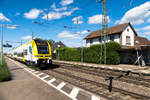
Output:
x=36 y=40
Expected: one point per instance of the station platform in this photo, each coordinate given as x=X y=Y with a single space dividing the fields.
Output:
x=120 y=67
x=24 y=86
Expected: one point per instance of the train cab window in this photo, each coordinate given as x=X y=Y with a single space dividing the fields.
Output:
x=42 y=46
x=43 y=49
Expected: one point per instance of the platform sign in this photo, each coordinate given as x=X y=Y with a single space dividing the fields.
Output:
x=7 y=45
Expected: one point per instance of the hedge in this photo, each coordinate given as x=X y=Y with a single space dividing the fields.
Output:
x=68 y=54
x=91 y=54
x=4 y=72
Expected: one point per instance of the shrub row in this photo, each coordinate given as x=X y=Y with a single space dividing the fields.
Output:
x=91 y=54
x=4 y=72
x=68 y=54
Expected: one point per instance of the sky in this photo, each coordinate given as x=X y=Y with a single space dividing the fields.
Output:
x=57 y=19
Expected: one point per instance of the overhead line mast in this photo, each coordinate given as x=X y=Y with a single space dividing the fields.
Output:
x=104 y=25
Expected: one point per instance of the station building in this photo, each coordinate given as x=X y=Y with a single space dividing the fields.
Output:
x=134 y=47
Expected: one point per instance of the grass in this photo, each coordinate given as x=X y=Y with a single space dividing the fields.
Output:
x=4 y=72
x=35 y=68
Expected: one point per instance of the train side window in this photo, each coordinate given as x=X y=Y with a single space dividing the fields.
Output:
x=25 y=52
x=30 y=49
x=15 y=53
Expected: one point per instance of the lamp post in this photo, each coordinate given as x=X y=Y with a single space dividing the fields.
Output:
x=82 y=58
x=1 y=44
x=2 y=25
x=58 y=52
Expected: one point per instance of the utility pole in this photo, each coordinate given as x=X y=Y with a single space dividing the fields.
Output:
x=82 y=43
x=32 y=35
x=1 y=44
x=104 y=24
x=21 y=42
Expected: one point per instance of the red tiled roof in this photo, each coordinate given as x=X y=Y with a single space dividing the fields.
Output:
x=112 y=30
x=142 y=41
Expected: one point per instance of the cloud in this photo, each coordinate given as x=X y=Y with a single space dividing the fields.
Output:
x=27 y=37
x=145 y=33
x=77 y=20
x=68 y=35
x=33 y=13
x=4 y=18
x=66 y=2
x=148 y=20
x=96 y=19
x=147 y=28
x=58 y=9
x=84 y=32
x=72 y=44
x=12 y=26
x=17 y=14
x=136 y=15
x=58 y=15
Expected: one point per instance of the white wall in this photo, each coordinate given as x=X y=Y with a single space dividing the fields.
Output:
x=126 y=33
x=96 y=40
x=88 y=44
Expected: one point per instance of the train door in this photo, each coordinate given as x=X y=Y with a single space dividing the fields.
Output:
x=30 y=53
x=23 y=55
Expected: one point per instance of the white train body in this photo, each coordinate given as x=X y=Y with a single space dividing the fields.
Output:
x=34 y=52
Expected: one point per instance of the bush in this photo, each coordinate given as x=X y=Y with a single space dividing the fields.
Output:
x=113 y=46
x=68 y=54
x=91 y=54
x=4 y=72
x=112 y=56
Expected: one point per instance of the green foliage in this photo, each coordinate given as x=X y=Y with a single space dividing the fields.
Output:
x=4 y=72
x=91 y=54
x=51 y=42
x=113 y=46
x=35 y=68
x=68 y=54
x=113 y=57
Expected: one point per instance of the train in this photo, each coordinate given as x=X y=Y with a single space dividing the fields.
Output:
x=35 y=52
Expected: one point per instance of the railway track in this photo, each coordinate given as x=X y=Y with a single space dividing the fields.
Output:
x=120 y=76
x=96 y=87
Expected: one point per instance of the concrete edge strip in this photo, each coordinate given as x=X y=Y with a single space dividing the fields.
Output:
x=61 y=85
x=39 y=74
x=52 y=80
x=95 y=98
x=73 y=93
x=45 y=77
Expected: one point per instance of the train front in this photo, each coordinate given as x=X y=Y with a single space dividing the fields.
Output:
x=42 y=52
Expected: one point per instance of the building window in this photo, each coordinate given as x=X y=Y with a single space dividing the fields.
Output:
x=100 y=39
x=112 y=37
x=127 y=30
x=91 y=41
x=128 y=40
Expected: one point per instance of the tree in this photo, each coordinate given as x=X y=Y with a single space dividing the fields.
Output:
x=51 y=42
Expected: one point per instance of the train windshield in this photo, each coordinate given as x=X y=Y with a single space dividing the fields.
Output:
x=42 y=47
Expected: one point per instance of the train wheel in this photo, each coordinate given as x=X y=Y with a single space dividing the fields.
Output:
x=42 y=65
